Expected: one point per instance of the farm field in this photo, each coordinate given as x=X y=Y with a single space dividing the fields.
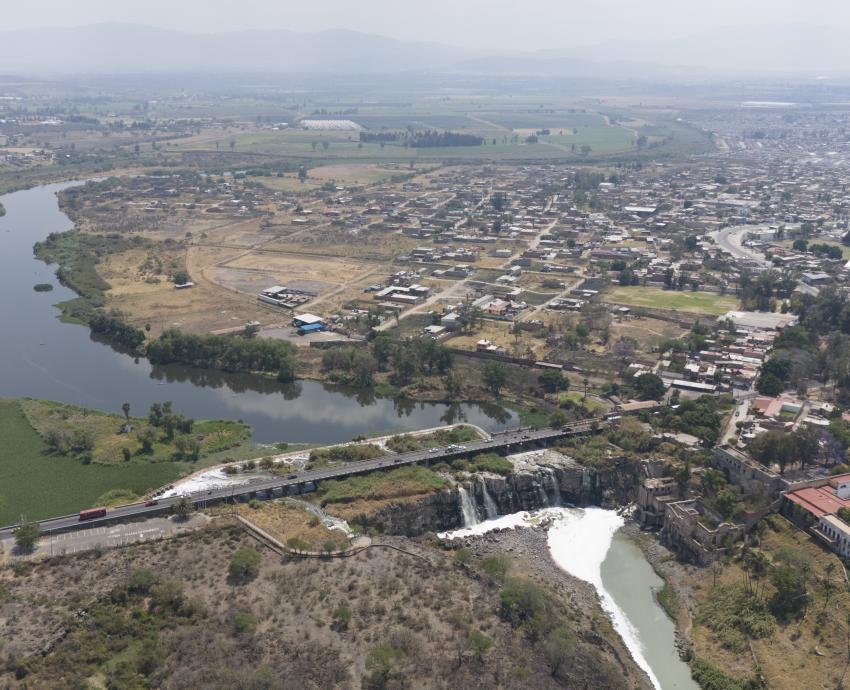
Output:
x=656 y=298
x=337 y=147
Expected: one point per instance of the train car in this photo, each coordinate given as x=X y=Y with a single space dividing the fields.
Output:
x=92 y=513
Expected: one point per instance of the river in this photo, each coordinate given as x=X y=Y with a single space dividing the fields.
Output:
x=588 y=544
x=41 y=357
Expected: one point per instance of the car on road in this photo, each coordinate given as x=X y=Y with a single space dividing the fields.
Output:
x=151 y=502
x=292 y=476
x=737 y=413
x=433 y=450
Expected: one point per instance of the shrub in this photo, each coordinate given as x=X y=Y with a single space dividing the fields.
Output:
x=709 y=677
x=243 y=622
x=496 y=566
x=463 y=555
x=733 y=608
x=244 y=565
x=342 y=614
x=491 y=462
x=141 y=580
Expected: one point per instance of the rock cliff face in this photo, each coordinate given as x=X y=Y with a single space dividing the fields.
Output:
x=542 y=479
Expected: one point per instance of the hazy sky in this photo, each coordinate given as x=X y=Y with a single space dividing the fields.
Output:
x=501 y=25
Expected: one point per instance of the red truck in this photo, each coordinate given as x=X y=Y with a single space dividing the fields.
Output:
x=92 y=513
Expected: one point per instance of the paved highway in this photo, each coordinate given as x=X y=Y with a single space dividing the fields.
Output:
x=730 y=239
x=502 y=441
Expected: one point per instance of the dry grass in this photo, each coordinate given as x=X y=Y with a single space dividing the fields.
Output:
x=647 y=332
x=499 y=333
x=424 y=607
x=285 y=522
x=804 y=653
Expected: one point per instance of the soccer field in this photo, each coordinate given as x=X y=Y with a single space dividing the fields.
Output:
x=656 y=298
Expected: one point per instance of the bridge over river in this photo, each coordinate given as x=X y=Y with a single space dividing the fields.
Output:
x=503 y=442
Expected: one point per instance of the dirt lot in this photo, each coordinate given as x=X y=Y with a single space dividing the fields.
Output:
x=316 y=274
x=647 y=332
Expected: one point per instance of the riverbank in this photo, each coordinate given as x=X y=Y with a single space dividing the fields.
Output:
x=677 y=597
x=528 y=548
x=588 y=554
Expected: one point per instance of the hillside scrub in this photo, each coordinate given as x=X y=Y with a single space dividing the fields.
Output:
x=166 y=615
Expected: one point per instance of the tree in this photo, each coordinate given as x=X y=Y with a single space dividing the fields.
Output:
x=649 y=387
x=553 y=381
x=244 y=565
x=495 y=376
x=827 y=584
x=480 y=644
x=557 y=419
x=27 y=535
x=302 y=173
x=791 y=595
x=297 y=544
x=147 y=437
x=558 y=648
x=286 y=370
x=183 y=508
x=125 y=408
x=624 y=348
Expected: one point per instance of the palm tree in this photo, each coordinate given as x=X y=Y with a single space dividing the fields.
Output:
x=827 y=584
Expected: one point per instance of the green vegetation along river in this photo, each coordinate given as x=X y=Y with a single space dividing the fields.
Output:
x=41 y=357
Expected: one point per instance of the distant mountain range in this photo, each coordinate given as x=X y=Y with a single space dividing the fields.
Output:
x=133 y=48
x=795 y=50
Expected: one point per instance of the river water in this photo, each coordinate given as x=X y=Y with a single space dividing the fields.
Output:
x=41 y=357
x=588 y=544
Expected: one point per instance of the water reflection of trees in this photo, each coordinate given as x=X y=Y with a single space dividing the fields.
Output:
x=455 y=411
x=238 y=383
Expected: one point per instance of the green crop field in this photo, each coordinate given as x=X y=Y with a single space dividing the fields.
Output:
x=497 y=130
x=40 y=485
x=656 y=298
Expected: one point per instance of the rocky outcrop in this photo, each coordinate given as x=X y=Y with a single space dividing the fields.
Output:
x=541 y=479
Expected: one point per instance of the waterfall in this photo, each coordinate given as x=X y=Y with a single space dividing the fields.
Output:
x=556 y=489
x=467 y=507
x=541 y=491
x=490 y=506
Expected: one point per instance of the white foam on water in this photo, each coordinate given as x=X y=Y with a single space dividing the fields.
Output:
x=579 y=542
x=579 y=539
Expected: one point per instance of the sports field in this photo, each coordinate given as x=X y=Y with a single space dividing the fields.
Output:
x=656 y=298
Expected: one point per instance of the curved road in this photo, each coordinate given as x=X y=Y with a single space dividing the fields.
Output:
x=731 y=240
